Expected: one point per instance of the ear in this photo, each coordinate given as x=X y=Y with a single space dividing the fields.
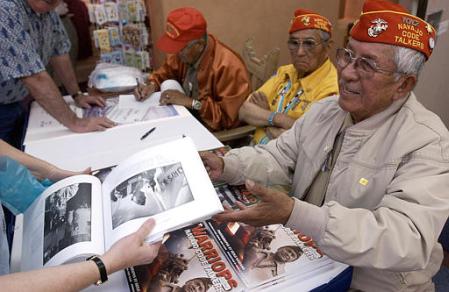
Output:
x=406 y=85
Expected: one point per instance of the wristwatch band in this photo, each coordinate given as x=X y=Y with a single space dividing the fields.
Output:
x=101 y=268
x=79 y=93
x=271 y=118
x=196 y=104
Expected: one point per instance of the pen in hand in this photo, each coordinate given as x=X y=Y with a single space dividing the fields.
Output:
x=147 y=133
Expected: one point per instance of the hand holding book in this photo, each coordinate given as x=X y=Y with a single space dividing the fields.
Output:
x=274 y=207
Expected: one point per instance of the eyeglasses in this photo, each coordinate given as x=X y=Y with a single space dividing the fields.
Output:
x=187 y=48
x=307 y=45
x=364 y=66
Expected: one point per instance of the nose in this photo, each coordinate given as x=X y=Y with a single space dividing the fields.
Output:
x=301 y=50
x=349 y=72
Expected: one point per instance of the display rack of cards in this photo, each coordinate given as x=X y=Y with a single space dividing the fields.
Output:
x=121 y=32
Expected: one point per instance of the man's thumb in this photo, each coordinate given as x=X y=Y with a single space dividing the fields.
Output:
x=257 y=189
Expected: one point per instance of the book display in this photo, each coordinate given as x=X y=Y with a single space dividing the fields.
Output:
x=121 y=32
x=213 y=256
x=84 y=214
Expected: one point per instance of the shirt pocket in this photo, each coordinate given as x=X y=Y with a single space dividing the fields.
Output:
x=360 y=184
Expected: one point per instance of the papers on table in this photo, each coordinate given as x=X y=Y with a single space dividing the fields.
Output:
x=122 y=110
x=129 y=110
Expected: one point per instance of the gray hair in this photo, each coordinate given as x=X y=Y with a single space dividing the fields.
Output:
x=408 y=61
x=325 y=36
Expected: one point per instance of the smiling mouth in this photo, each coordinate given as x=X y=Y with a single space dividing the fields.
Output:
x=347 y=90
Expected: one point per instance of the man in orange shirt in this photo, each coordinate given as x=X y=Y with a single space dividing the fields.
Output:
x=214 y=78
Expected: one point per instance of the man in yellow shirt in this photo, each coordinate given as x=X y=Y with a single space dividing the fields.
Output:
x=275 y=106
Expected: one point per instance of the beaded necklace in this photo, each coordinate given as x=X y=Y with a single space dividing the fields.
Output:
x=281 y=96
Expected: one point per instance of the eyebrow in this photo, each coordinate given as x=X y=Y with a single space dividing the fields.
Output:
x=371 y=57
x=303 y=39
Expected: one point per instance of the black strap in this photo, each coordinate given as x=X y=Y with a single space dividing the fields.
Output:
x=101 y=268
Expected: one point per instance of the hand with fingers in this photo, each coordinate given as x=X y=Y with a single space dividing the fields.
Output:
x=87 y=101
x=132 y=250
x=274 y=207
x=171 y=96
x=92 y=124
x=143 y=91
x=273 y=132
x=213 y=164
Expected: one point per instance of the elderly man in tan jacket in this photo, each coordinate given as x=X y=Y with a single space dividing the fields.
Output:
x=368 y=169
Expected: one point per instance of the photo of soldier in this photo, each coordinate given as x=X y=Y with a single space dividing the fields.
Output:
x=67 y=218
x=148 y=193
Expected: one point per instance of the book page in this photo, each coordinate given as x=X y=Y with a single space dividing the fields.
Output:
x=167 y=182
x=63 y=224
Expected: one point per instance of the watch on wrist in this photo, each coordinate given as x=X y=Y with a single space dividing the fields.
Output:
x=196 y=104
x=78 y=93
x=101 y=268
x=271 y=118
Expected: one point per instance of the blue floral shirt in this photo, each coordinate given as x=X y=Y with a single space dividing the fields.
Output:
x=28 y=41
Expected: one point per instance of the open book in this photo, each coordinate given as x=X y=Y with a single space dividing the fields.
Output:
x=232 y=256
x=80 y=215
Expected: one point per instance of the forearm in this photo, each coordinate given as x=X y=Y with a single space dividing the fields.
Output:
x=38 y=167
x=253 y=114
x=257 y=116
x=71 y=277
x=64 y=70
x=44 y=90
x=168 y=70
x=253 y=163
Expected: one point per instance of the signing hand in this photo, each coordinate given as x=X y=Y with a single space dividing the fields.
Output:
x=132 y=250
x=91 y=124
x=260 y=99
x=275 y=207
x=175 y=97
x=143 y=91
x=213 y=164
x=86 y=101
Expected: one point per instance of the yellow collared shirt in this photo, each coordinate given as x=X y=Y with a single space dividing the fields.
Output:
x=321 y=83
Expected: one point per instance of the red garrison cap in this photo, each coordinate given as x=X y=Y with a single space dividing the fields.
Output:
x=306 y=19
x=389 y=23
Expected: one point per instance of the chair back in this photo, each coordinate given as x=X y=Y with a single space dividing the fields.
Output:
x=260 y=69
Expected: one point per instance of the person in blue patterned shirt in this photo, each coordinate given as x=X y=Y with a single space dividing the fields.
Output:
x=33 y=37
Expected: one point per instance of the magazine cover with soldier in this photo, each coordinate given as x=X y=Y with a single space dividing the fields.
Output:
x=188 y=260
x=264 y=255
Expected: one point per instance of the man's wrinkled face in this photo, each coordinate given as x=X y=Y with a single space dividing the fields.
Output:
x=307 y=50
x=192 y=51
x=364 y=95
x=43 y=6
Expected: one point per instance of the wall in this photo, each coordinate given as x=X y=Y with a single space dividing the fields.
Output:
x=234 y=21
x=433 y=86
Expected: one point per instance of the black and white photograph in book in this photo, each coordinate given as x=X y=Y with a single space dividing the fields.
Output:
x=149 y=193
x=67 y=218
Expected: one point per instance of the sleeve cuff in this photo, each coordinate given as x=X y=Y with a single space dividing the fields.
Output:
x=232 y=173
x=308 y=219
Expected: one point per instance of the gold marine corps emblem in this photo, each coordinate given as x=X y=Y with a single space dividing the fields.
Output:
x=305 y=20
x=378 y=26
